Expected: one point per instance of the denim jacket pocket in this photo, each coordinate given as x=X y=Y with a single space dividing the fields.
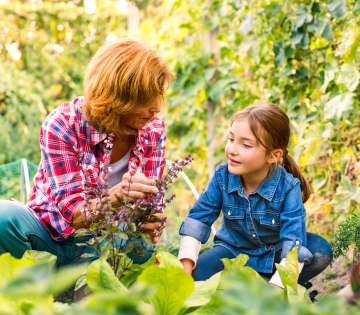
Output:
x=270 y=220
x=233 y=212
x=233 y=216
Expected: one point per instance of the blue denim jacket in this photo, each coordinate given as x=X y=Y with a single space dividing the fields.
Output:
x=269 y=219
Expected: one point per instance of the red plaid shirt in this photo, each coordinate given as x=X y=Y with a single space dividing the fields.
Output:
x=68 y=143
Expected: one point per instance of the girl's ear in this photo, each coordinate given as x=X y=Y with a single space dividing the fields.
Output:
x=275 y=156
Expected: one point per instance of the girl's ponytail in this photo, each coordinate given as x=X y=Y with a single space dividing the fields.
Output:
x=290 y=165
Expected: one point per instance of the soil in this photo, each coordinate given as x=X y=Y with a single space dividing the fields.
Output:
x=333 y=278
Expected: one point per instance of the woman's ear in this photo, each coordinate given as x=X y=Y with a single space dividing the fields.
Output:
x=275 y=156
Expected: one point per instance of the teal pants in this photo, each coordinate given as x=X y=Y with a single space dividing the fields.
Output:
x=20 y=230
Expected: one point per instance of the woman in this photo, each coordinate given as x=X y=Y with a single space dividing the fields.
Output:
x=123 y=91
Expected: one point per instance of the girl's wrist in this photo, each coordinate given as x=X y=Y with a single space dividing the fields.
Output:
x=188 y=265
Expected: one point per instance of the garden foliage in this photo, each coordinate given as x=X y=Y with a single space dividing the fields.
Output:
x=161 y=286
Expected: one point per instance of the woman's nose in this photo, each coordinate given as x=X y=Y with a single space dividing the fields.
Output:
x=155 y=108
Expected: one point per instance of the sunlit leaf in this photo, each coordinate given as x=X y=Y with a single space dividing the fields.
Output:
x=337 y=105
x=349 y=76
x=172 y=287
x=204 y=290
x=337 y=8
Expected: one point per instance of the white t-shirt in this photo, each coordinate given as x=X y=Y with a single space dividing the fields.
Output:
x=118 y=169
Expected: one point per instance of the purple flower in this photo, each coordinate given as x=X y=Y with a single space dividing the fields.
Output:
x=113 y=225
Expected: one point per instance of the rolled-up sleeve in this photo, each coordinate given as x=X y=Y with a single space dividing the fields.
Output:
x=196 y=229
x=293 y=228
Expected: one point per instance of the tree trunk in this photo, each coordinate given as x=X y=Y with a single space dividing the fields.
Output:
x=210 y=46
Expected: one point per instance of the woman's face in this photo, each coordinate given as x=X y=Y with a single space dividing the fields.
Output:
x=139 y=118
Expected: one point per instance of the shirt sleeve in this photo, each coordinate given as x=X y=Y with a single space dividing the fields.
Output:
x=189 y=248
x=62 y=176
x=293 y=228
x=154 y=159
x=203 y=214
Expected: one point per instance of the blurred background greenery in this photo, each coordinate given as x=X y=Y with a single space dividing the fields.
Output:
x=303 y=55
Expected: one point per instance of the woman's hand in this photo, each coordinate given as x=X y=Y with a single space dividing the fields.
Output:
x=154 y=229
x=133 y=187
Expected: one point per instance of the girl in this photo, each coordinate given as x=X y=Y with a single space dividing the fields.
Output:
x=260 y=193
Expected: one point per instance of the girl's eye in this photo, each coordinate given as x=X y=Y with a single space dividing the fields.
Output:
x=230 y=139
x=247 y=145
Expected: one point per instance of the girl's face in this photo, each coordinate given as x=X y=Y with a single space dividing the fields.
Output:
x=246 y=156
x=139 y=118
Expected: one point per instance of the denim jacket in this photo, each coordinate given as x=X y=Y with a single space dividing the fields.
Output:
x=259 y=224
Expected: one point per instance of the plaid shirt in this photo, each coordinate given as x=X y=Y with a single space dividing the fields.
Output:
x=68 y=143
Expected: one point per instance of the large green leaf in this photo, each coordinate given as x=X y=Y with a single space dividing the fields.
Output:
x=100 y=277
x=172 y=287
x=204 y=291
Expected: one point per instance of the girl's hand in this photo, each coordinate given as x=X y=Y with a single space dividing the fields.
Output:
x=188 y=265
x=154 y=228
x=133 y=187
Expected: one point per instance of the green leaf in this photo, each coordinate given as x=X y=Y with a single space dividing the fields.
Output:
x=303 y=16
x=215 y=91
x=296 y=38
x=42 y=279
x=278 y=49
x=65 y=277
x=101 y=277
x=238 y=263
x=163 y=260
x=329 y=75
x=40 y=256
x=349 y=76
x=11 y=266
x=204 y=290
x=246 y=24
x=235 y=263
x=356 y=9
x=289 y=273
x=337 y=105
x=337 y=8
x=351 y=50
x=172 y=287
x=320 y=180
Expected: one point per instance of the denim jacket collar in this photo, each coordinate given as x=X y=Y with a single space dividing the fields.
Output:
x=266 y=189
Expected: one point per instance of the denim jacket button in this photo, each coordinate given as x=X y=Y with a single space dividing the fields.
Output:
x=273 y=221
x=229 y=213
x=297 y=242
x=254 y=235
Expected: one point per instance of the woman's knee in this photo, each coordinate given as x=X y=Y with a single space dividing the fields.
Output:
x=9 y=212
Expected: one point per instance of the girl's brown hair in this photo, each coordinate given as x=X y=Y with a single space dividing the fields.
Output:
x=122 y=77
x=271 y=127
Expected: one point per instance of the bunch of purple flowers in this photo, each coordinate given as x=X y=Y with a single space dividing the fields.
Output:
x=114 y=226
